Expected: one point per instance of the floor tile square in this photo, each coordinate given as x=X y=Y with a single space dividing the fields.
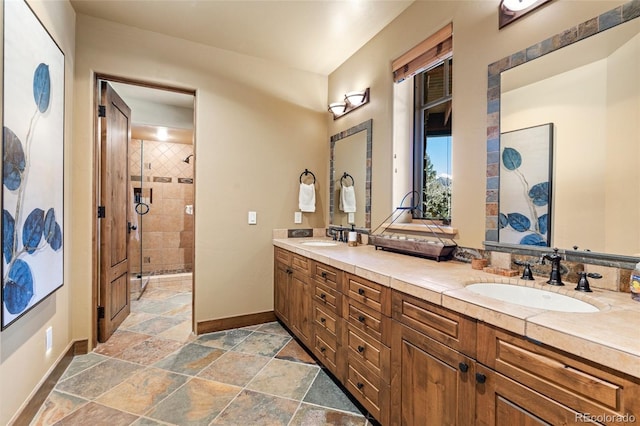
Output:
x=223 y=339
x=119 y=341
x=190 y=359
x=57 y=406
x=143 y=390
x=262 y=344
x=273 y=328
x=98 y=379
x=284 y=378
x=97 y=415
x=155 y=325
x=324 y=391
x=312 y=415
x=235 y=368
x=292 y=351
x=150 y=351
x=81 y=363
x=253 y=408
x=198 y=402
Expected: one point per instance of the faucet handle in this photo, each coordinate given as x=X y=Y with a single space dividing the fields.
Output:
x=583 y=283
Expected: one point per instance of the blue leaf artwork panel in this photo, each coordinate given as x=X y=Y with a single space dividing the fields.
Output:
x=525 y=186
x=33 y=163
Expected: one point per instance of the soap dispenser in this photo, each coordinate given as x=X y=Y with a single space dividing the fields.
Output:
x=352 y=239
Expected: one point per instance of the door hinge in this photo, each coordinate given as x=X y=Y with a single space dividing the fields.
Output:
x=100 y=312
x=102 y=111
x=101 y=212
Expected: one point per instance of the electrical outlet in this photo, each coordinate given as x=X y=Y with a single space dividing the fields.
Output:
x=297 y=217
x=253 y=218
x=48 y=339
x=351 y=217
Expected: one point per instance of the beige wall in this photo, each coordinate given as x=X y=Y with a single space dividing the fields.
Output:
x=23 y=361
x=258 y=126
x=477 y=42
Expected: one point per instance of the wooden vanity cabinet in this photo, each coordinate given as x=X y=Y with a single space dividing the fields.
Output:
x=292 y=293
x=327 y=320
x=411 y=362
x=527 y=379
x=432 y=381
x=367 y=335
x=281 y=284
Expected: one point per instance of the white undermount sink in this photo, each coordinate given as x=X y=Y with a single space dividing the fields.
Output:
x=319 y=243
x=531 y=297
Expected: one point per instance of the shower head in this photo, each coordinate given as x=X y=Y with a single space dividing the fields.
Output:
x=186 y=160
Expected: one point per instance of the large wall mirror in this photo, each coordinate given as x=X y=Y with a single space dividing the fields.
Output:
x=584 y=81
x=350 y=166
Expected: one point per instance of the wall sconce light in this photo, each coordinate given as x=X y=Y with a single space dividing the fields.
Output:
x=510 y=10
x=352 y=100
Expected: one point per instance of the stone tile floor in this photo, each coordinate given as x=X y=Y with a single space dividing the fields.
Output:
x=154 y=371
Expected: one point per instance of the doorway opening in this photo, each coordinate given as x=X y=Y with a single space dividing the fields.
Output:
x=157 y=187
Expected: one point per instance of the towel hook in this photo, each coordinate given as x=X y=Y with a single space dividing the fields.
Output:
x=345 y=176
x=307 y=172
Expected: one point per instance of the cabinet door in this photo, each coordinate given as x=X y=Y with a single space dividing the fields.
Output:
x=431 y=383
x=282 y=274
x=504 y=402
x=300 y=307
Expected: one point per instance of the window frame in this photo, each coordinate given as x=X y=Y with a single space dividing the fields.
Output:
x=419 y=107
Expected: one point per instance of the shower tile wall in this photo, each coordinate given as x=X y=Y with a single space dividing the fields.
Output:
x=166 y=232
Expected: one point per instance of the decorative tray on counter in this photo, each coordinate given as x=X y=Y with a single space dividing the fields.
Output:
x=426 y=240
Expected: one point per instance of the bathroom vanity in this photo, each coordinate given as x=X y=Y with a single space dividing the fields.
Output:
x=415 y=347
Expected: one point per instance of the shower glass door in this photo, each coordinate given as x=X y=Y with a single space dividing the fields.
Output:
x=141 y=199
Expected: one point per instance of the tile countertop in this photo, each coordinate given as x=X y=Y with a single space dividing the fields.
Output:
x=609 y=337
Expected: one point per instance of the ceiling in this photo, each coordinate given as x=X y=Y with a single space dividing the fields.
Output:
x=311 y=35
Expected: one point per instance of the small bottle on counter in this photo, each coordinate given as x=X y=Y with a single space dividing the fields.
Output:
x=635 y=283
x=352 y=239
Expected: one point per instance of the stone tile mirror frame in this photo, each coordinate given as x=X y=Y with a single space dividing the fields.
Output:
x=607 y=20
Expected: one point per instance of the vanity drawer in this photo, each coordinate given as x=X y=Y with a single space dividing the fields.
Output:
x=367 y=320
x=370 y=390
x=300 y=263
x=326 y=348
x=327 y=320
x=282 y=255
x=445 y=326
x=326 y=274
x=368 y=293
x=327 y=296
x=580 y=385
x=370 y=352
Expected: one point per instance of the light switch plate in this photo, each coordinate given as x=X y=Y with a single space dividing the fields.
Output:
x=351 y=218
x=297 y=217
x=253 y=218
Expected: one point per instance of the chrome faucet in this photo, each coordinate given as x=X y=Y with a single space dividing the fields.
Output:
x=555 y=276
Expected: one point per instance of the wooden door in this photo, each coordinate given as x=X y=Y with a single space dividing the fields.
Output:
x=281 y=291
x=431 y=383
x=300 y=308
x=115 y=131
x=504 y=402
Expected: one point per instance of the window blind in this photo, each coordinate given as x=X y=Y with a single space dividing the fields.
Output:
x=431 y=51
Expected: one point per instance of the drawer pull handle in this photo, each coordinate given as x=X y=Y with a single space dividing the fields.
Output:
x=463 y=367
x=360 y=385
x=323 y=296
x=361 y=291
x=322 y=320
x=360 y=348
x=322 y=349
x=324 y=275
x=361 y=318
x=289 y=271
x=481 y=378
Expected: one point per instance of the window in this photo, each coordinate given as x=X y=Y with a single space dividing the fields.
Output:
x=432 y=140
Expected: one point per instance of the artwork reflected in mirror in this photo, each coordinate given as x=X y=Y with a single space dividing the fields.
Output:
x=589 y=89
x=350 y=177
x=525 y=186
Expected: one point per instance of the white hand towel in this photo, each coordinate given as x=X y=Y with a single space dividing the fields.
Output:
x=348 y=199
x=307 y=198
